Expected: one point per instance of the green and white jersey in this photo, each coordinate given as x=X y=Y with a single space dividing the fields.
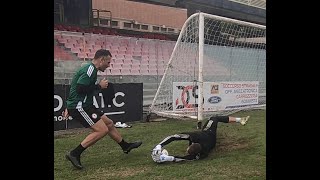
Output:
x=86 y=75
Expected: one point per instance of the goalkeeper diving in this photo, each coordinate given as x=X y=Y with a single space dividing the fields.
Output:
x=201 y=142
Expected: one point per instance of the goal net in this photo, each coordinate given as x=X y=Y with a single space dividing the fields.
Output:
x=218 y=66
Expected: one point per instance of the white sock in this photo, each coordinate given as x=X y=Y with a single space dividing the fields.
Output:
x=238 y=119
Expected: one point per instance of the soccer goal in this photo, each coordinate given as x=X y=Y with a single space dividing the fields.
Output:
x=218 y=66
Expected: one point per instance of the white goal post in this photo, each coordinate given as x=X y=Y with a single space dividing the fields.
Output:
x=218 y=66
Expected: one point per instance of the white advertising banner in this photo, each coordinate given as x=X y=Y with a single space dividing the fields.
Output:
x=217 y=95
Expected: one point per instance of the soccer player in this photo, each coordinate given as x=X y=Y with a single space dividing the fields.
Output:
x=200 y=142
x=80 y=107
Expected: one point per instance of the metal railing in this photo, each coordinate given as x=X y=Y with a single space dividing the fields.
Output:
x=254 y=3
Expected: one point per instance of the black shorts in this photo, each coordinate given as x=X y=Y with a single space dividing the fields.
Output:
x=86 y=116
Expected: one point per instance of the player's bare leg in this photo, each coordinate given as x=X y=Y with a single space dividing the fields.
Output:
x=242 y=120
x=116 y=136
x=99 y=131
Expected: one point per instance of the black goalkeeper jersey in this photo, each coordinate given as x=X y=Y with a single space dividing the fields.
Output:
x=206 y=138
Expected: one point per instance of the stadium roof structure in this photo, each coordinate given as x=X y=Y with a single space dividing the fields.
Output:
x=246 y=10
x=171 y=3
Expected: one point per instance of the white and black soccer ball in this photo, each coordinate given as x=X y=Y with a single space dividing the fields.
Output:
x=157 y=157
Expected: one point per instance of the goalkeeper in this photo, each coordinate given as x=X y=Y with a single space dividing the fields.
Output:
x=200 y=142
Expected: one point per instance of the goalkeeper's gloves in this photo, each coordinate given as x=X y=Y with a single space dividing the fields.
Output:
x=156 y=152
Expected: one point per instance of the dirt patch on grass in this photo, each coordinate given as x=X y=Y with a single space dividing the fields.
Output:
x=121 y=172
x=228 y=145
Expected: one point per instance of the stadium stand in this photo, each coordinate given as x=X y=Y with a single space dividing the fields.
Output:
x=125 y=50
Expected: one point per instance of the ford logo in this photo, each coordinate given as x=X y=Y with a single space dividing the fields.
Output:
x=214 y=99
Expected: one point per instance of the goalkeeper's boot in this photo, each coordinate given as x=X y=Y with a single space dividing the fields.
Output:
x=132 y=146
x=74 y=160
x=244 y=120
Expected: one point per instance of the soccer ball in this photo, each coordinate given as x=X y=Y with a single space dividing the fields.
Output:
x=164 y=151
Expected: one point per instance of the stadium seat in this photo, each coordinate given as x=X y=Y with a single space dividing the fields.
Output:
x=125 y=72
x=127 y=61
x=117 y=66
x=144 y=66
x=153 y=72
x=135 y=72
x=144 y=71
x=115 y=72
x=152 y=66
x=135 y=66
